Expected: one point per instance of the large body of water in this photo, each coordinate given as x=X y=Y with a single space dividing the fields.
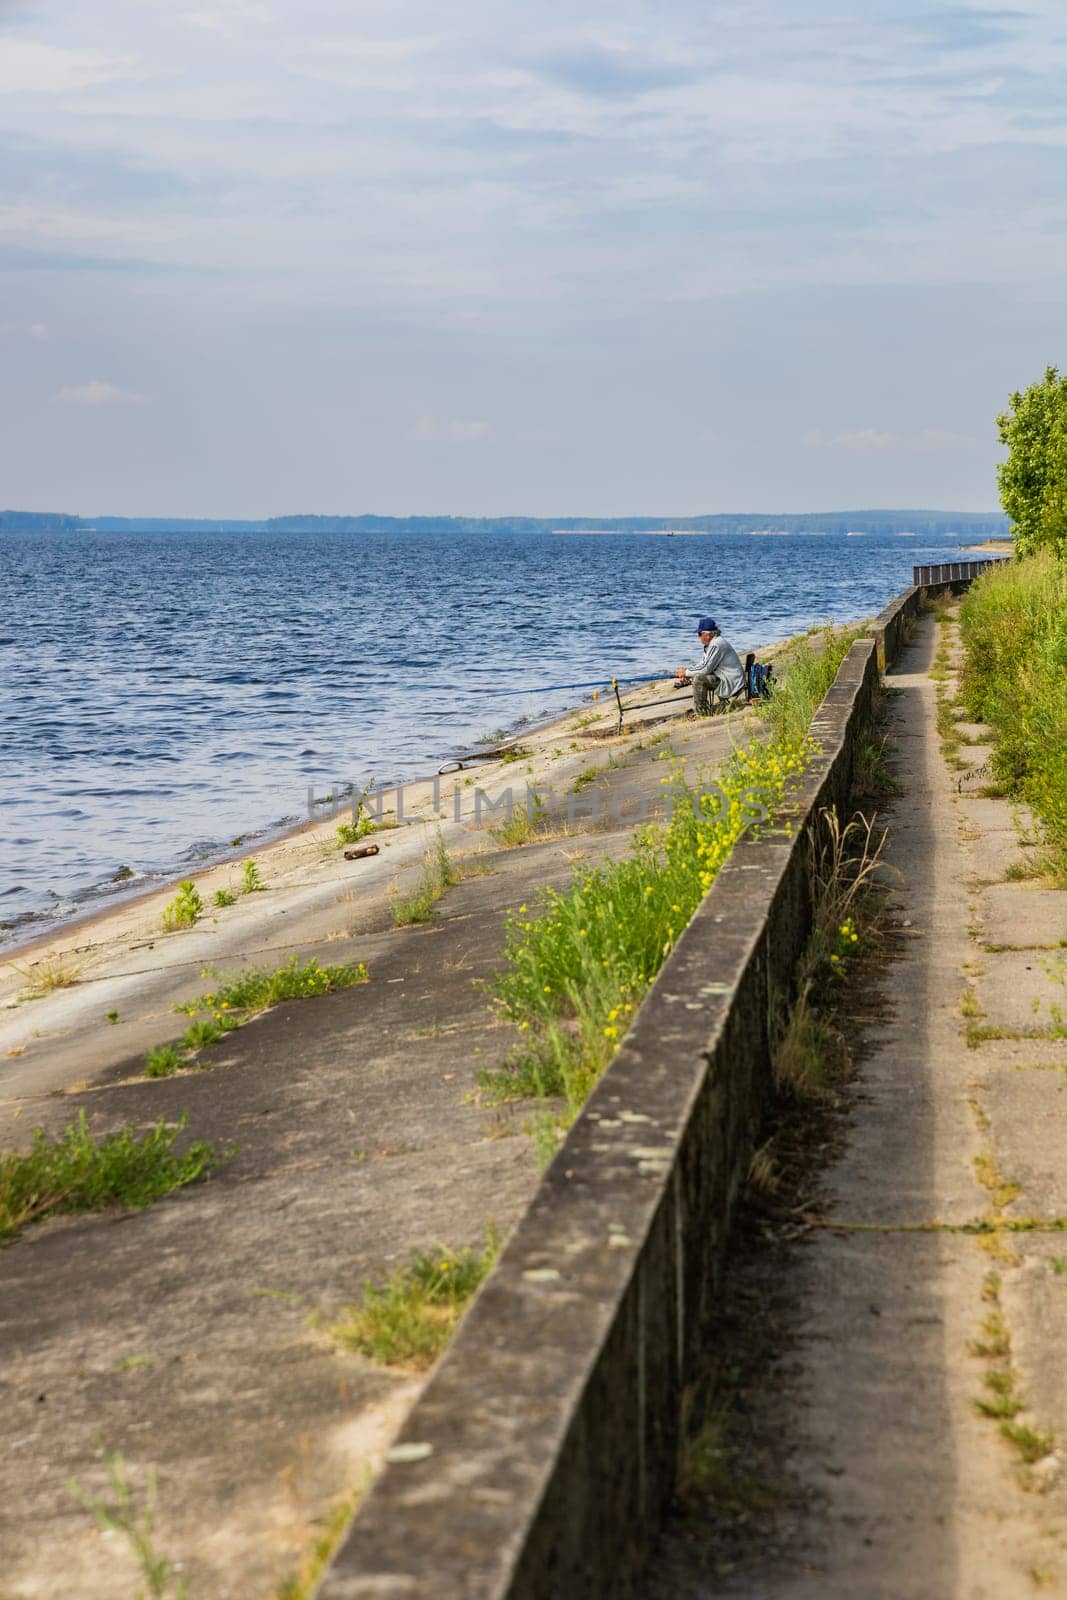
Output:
x=164 y=693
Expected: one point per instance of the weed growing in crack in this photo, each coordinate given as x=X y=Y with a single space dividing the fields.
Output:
x=439 y=873
x=251 y=878
x=810 y=1054
x=185 y=909
x=44 y=977
x=407 y=1320
x=243 y=995
x=136 y=1526
x=78 y=1172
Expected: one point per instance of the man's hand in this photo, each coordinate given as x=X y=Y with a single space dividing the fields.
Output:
x=682 y=676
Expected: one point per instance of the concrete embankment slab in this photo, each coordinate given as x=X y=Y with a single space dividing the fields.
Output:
x=192 y=1336
x=1023 y=990
x=1017 y=916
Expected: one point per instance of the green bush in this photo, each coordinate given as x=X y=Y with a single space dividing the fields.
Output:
x=1014 y=627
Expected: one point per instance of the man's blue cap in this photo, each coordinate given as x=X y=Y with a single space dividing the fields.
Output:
x=707 y=625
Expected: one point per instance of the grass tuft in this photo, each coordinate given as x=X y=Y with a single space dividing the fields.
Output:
x=439 y=873
x=316 y=1556
x=362 y=824
x=251 y=878
x=185 y=909
x=810 y=1055
x=257 y=988
x=44 y=977
x=243 y=995
x=136 y=1526
x=163 y=1060
x=407 y=1320
x=1001 y=1399
x=523 y=825
x=78 y=1172
x=1031 y=1443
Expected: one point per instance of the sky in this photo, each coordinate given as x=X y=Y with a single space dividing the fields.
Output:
x=543 y=258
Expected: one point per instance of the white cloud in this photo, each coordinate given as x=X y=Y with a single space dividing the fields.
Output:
x=28 y=66
x=467 y=432
x=97 y=393
x=864 y=440
x=38 y=330
x=459 y=430
x=873 y=441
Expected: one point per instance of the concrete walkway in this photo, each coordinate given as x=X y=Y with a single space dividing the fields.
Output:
x=865 y=1469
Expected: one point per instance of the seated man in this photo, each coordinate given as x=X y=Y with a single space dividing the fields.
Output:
x=718 y=672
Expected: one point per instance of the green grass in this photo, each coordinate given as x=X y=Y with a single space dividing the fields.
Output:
x=810 y=1054
x=257 y=988
x=251 y=878
x=1031 y=1443
x=871 y=775
x=525 y=822
x=362 y=824
x=1000 y=1401
x=163 y=1060
x=242 y=995
x=316 y=1555
x=587 y=776
x=225 y=897
x=185 y=909
x=995 y=1343
x=579 y=964
x=205 y=1030
x=1014 y=628
x=77 y=1172
x=135 y=1525
x=407 y=1320
x=438 y=874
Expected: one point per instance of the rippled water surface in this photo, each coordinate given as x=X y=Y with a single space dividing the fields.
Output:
x=164 y=693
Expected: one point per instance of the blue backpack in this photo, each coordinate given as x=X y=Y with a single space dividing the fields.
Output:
x=757 y=679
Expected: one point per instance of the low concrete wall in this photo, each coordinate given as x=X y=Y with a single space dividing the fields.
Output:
x=890 y=629
x=539 y=1461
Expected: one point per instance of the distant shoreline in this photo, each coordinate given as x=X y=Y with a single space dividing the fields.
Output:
x=927 y=523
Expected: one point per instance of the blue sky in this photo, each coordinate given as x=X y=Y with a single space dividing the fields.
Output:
x=487 y=258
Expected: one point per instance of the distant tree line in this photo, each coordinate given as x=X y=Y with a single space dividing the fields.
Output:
x=1033 y=479
x=968 y=525
x=38 y=522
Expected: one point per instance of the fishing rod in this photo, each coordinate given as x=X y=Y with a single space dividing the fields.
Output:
x=596 y=684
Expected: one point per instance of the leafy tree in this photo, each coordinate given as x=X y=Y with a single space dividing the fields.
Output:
x=1033 y=480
